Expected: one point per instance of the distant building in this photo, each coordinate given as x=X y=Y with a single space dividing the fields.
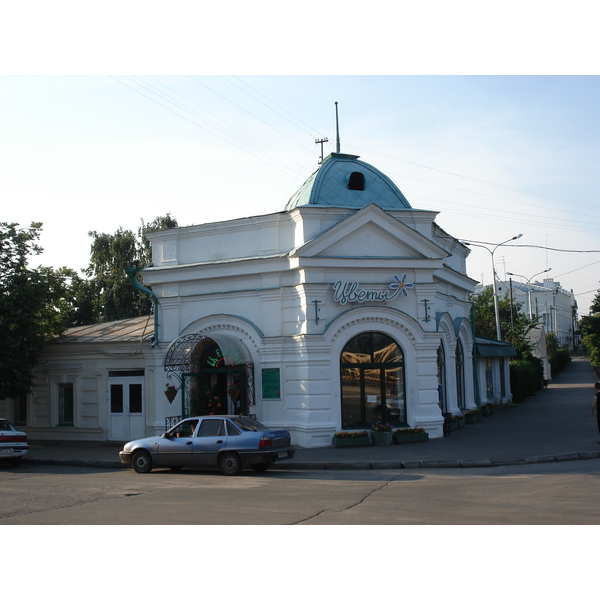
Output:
x=555 y=307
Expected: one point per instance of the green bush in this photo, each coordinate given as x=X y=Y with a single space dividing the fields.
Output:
x=559 y=360
x=526 y=378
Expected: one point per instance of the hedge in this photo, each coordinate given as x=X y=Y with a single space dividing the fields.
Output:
x=526 y=377
x=559 y=359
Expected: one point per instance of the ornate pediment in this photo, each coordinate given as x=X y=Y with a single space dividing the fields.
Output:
x=371 y=233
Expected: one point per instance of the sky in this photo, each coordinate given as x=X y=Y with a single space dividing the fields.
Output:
x=496 y=155
x=209 y=113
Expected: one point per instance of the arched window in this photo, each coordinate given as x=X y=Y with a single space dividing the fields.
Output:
x=460 y=376
x=441 y=374
x=357 y=181
x=372 y=376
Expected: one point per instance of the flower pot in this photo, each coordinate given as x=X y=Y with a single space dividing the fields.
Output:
x=486 y=411
x=404 y=438
x=351 y=441
x=471 y=418
x=381 y=438
x=170 y=394
x=460 y=423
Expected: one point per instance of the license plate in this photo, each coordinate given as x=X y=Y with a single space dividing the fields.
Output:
x=281 y=454
x=7 y=451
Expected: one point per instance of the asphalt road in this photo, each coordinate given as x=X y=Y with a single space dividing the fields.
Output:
x=548 y=493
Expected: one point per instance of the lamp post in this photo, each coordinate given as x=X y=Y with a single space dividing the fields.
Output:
x=494 y=276
x=529 y=287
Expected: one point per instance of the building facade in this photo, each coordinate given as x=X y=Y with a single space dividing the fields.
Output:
x=554 y=306
x=347 y=308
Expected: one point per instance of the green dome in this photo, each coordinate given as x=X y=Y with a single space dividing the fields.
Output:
x=346 y=182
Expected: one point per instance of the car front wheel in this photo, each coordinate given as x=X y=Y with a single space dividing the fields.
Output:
x=142 y=462
x=230 y=464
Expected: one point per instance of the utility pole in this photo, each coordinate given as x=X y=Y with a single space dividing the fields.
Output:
x=323 y=141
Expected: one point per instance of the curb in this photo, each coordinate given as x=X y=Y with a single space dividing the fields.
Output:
x=359 y=465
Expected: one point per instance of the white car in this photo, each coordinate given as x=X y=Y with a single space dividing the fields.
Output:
x=13 y=443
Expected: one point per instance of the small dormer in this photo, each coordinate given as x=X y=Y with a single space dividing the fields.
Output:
x=356 y=181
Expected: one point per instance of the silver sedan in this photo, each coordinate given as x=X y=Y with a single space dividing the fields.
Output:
x=228 y=442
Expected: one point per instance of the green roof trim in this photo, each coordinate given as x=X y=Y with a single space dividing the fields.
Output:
x=494 y=348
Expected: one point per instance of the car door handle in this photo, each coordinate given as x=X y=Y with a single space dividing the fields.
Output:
x=219 y=441
x=188 y=443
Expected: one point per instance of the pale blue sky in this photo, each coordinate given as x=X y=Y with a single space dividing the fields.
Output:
x=496 y=155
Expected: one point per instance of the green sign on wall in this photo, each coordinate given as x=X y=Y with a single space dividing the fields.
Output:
x=271 y=384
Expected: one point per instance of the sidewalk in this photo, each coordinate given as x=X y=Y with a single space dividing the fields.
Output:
x=554 y=425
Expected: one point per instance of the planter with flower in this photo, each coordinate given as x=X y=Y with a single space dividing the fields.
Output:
x=381 y=434
x=170 y=392
x=472 y=416
x=459 y=420
x=487 y=409
x=234 y=391
x=343 y=439
x=452 y=422
x=410 y=434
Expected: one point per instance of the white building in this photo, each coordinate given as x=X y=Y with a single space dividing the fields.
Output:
x=347 y=308
x=553 y=305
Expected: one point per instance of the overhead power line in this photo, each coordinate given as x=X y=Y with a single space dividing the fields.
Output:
x=499 y=185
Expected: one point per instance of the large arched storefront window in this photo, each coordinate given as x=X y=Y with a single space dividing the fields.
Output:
x=441 y=375
x=372 y=375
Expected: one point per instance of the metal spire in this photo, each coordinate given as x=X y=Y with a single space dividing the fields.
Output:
x=337 y=130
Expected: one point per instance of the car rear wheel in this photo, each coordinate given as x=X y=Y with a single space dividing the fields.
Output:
x=14 y=462
x=142 y=462
x=230 y=464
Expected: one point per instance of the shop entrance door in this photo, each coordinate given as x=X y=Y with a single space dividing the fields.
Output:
x=126 y=408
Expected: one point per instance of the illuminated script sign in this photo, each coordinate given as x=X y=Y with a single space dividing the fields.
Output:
x=344 y=292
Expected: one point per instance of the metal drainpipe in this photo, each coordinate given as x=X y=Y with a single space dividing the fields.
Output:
x=131 y=273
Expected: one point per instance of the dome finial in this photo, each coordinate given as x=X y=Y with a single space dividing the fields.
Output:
x=337 y=130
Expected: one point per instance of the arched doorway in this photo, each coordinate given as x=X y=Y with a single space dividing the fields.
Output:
x=213 y=387
x=372 y=381
x=209 y=385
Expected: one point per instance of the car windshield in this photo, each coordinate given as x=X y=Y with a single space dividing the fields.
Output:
x=6 y=426
x=248 y=424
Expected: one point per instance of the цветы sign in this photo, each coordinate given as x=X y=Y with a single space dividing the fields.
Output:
x=344 y=292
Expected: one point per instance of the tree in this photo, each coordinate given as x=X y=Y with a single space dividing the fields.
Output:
x=514 y=324
x=590 y=332
x=107 y=294
x=35 y=305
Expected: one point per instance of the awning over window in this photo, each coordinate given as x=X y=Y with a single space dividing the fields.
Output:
x=491 y=348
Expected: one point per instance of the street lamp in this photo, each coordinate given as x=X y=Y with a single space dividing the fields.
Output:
x=529 y=287
x=495 y=277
